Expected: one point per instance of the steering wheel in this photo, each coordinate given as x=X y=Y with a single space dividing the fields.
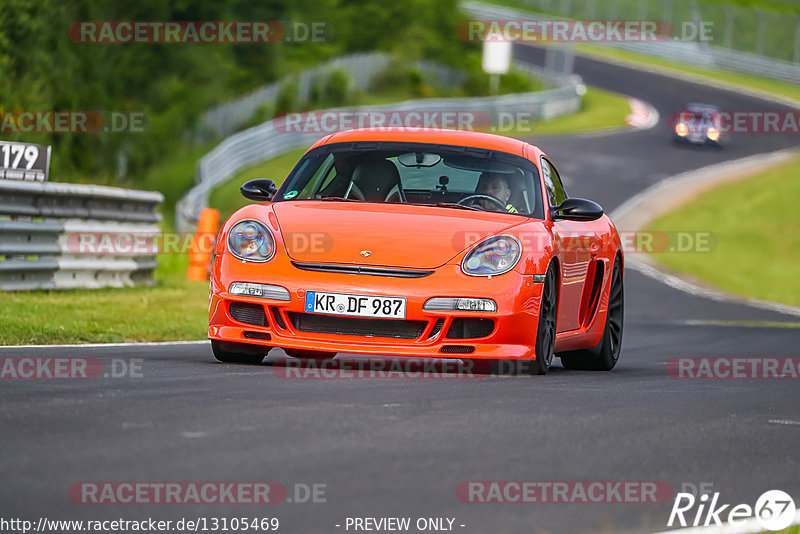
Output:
x=464 y=201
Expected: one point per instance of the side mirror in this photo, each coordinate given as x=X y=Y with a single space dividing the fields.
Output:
x=577 y=209
x=260 y=190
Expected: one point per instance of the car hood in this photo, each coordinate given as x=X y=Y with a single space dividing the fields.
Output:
x=394 y=235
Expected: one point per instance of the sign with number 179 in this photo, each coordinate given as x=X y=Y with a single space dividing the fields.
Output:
x=24 y=161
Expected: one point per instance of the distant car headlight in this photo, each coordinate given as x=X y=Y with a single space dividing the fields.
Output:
x=712 y=133
x=681 y=129
x=492 y=256
x=250 y=240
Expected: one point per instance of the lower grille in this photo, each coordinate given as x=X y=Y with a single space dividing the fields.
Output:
x=248 y=313
x=457 y=349
x=257 y=335
x=470 y=327
x=357 y=326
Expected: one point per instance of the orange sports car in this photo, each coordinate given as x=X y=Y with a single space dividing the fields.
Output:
x=419 y=242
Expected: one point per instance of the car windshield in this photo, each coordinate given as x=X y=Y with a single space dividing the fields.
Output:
x=447 y=177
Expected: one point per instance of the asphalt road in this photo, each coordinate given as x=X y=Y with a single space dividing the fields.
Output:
x=400 y=447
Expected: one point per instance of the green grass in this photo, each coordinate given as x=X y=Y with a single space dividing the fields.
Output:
x=175 y=309
x=738 y=79
x=227 y=198
x=173 y=176
x=756 y=223
x=790 y=530
x=600 y=110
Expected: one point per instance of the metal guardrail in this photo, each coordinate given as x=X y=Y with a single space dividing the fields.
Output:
x=38 y=219
x=693 y=53
x=265 y=141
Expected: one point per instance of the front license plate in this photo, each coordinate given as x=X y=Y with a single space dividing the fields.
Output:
x=356 y=305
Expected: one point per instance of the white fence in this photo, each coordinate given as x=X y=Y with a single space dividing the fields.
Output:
x=693 y=53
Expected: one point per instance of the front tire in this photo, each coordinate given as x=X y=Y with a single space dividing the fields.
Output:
x=229 y=352
x=546 y=330
x=605 y=355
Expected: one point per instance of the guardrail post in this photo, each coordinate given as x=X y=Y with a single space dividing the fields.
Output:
x=762 y=31
x=796 y=57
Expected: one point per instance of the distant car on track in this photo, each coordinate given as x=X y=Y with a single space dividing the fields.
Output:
x=419 y=243
x=699 y=124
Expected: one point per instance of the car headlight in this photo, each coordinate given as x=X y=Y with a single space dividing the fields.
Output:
x=712 y=133
x=492 y=256
x=681 y=129
x=250 y=240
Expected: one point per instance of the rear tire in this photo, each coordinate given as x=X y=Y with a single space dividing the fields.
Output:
x=546 y=330
x=229 y=352
x=605 y=355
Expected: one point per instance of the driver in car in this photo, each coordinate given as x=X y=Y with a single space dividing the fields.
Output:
x=495 y=184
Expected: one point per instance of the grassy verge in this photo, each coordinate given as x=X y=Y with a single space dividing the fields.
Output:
x=790 y=530
x=737 y=79
x=175 y=309
x=755 y=224
x=600 y=110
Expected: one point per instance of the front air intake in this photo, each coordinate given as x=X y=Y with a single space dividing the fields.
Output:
x=248 y=313
x=470 y=327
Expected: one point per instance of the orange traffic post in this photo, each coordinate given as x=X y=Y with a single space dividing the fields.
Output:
x=203 y=245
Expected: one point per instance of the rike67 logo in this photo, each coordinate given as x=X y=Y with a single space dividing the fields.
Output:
x=774 y=510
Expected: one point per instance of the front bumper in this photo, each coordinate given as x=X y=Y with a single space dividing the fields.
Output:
x=445 y=334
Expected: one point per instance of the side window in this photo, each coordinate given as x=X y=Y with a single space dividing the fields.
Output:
x=552 y=182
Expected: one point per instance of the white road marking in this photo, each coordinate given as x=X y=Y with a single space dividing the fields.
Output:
x=783 y=422
x=133 y=344
x=193 y=435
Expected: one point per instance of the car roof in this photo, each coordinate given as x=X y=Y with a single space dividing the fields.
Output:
x=429 y=135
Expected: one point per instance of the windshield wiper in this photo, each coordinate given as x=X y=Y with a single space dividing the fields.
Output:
x=452 y=205
x=340 y=199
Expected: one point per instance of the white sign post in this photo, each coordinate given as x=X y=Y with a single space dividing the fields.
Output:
x=496 y=61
